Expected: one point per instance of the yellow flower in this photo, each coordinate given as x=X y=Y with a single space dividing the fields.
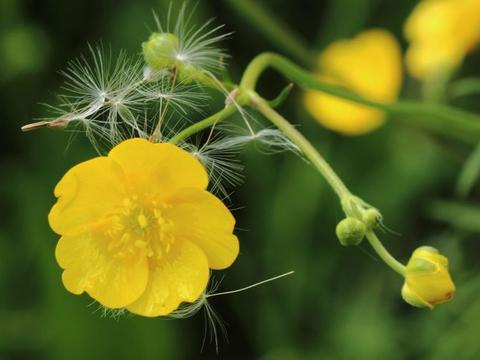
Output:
x=441 y=33
x=139 y=230
x=427 y=280
x=370 y=65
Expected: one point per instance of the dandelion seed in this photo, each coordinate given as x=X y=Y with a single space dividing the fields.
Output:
x=197 y=44
x=213 y=323
x=182 y=97
x=100 y=80
x=115 y=314
x=113 y=98
x=101 y=95
x=219 y=154
x=223 y=166
x=269 y=140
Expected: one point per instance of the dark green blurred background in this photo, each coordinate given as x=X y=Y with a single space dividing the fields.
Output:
x=340 y=304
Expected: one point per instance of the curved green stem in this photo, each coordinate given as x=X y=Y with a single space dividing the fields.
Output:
x=205 y=123
x=324 y=168
x=384 y=254
x=247 y=96
x=459 y=124
x=304 y=145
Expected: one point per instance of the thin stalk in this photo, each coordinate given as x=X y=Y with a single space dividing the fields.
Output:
x=161 y=113
x=304 y=145
x=203 y=124
x=384 y=254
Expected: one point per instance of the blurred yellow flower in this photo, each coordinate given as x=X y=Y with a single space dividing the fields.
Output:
x=441 y=33
x=427 y=280
x=139 y=230
x=370 y=65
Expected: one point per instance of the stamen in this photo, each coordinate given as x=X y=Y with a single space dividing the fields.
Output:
x=142 y=220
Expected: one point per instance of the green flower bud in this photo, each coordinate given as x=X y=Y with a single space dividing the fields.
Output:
x=160 y=50
x=350 y=231
x=371 y=218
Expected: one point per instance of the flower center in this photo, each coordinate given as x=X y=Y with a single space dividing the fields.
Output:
x=139 y=225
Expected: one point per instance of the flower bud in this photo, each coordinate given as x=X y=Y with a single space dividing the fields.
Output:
x=371 y=218
x=350 y=231
x=160 y=50
x=427 y=280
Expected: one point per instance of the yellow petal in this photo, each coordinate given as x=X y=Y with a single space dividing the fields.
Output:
x=86 y=193
x=159 y=167
x=88 y=266
x=411 y=297
x=342 y=116
x=370 y=65
x=200 y=217
x=179 y=277
x=441 y=33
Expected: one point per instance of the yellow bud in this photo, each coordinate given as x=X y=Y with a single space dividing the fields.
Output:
x=160 y=50
x=427 y=280
x=350 y=231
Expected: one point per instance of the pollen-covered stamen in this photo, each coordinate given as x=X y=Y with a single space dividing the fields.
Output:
x=142 y=220
x=140 y=225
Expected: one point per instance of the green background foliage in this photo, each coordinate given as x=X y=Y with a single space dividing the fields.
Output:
x=341 y=303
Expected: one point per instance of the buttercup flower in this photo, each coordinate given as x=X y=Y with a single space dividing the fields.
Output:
x=139 y=230
x=427 y=281
x=441 y=33
x=370 y=65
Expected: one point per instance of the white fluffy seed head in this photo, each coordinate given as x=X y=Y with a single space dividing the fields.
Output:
x=220 y=153
x=112 y=98
x=198 y=45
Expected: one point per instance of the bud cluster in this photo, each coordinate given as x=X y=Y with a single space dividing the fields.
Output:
x=360 y=218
